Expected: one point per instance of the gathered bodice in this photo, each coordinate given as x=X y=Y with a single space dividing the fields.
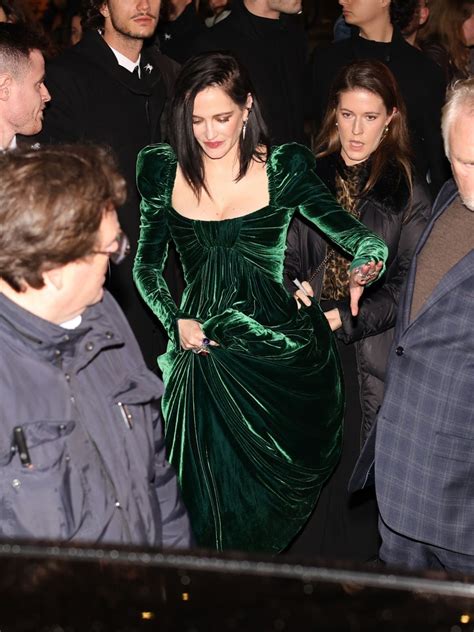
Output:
x=258 y=238
x=242 y=257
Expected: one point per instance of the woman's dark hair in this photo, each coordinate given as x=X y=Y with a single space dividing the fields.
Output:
x=394 y=147
x=205 y=71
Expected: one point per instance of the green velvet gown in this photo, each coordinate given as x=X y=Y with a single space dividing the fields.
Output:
x=254 y=428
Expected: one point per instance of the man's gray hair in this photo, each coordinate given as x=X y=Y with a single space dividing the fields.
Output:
x=460 y=96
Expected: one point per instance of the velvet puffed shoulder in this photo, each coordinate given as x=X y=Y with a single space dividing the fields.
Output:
x=292 y=156
x=290 y=164
x=156 y=165
x=291 y=159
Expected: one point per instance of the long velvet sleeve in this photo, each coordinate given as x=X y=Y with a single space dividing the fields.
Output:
x=153 y=168
x=300 y=187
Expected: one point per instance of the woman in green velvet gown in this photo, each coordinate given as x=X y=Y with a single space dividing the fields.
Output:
x=253 y=400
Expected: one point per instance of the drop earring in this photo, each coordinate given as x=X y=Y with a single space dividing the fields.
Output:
x=244 y=128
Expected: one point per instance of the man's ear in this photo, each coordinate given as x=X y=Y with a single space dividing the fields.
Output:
x=5 y=83
x=104 y=10
x=53 y=279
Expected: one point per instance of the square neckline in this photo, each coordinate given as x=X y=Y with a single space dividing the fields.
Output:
x=172 y=180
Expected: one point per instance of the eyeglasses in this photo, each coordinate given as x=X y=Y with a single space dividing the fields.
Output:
x=117 y=256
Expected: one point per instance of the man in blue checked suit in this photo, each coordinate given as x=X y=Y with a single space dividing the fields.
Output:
x=424 y=457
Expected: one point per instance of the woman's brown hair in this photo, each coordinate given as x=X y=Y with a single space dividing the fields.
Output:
x=445 y=26
x=394 y=147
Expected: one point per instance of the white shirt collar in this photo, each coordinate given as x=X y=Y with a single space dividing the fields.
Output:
x=12 y=145
x=73 y=323
x=125 y=62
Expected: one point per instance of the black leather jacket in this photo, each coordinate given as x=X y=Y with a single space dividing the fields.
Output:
x=389 y=211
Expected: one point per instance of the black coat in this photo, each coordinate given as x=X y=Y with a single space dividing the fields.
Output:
x=421 y=84
x=274 y=52
x=176 y=38
x=387 y=210
x=96 y=100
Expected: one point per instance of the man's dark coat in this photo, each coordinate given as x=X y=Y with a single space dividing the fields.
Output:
x=274 y=54
x=96 y=100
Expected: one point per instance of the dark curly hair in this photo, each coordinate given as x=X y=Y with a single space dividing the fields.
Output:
x=90 y=13
x=402 y=12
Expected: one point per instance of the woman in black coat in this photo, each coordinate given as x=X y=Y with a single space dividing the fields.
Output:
x=364 y=158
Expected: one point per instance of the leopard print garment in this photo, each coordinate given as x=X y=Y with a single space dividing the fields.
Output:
x=349 y=182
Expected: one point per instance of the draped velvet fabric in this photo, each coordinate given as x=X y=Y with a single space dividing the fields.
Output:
x=254 y=428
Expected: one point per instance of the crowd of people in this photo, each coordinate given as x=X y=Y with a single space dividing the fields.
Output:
x=236 y=279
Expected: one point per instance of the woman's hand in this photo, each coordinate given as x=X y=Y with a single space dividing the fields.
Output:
x=360 y=276
x=192 y=337
x=334 y=318
x=301 y=297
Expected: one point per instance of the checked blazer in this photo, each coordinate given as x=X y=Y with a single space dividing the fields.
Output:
x=424 y=454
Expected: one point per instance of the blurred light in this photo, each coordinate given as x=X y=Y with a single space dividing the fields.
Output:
x=185 y=596
x=465 y=618
x=148 y=616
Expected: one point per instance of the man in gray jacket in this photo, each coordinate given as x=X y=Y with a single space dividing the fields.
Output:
x=424 y=451
x=82 y=456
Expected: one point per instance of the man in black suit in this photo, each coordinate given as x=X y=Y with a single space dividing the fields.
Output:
x=23 y=95
x=112 y=90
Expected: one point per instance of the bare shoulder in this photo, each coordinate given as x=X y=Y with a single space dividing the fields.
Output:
x=182 y=195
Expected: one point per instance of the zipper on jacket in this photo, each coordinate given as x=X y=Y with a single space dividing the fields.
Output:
x=117 y=503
